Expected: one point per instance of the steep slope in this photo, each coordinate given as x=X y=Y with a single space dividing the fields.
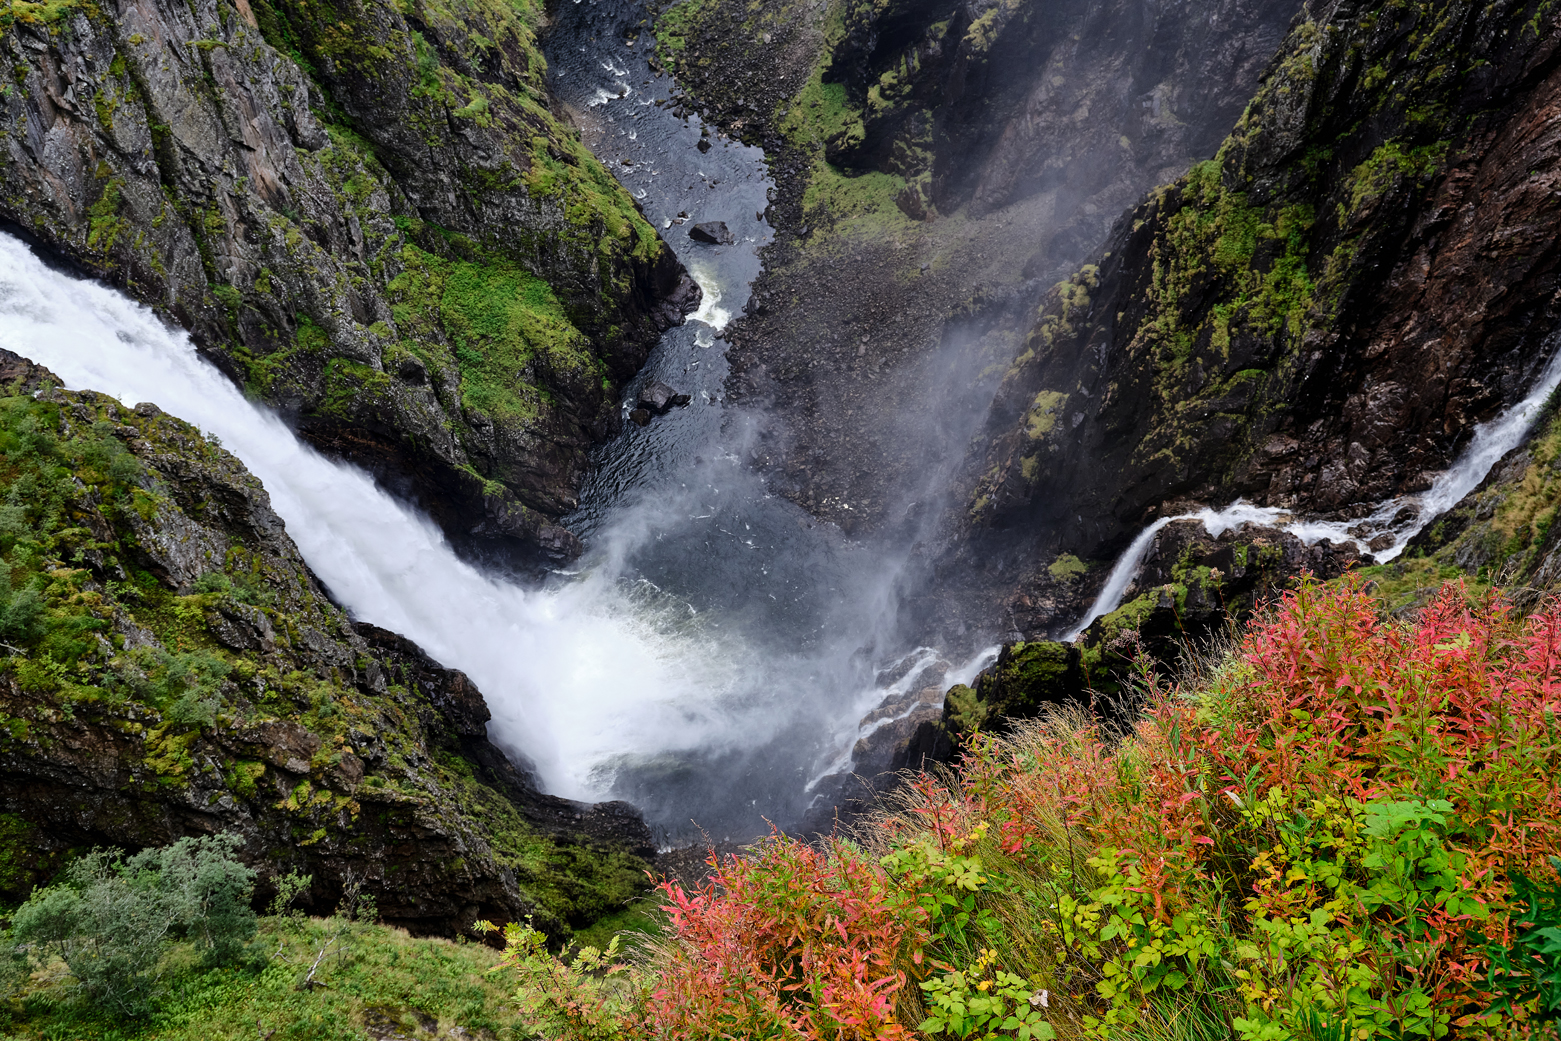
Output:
x=173 y=668
x=1316 y=318
x=366 y=212
x=937 y=167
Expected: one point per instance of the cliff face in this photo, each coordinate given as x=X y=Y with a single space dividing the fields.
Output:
x=172 y=668
x=936 y=168
x=1316 y=318
x=992 y=102
x=365 y=212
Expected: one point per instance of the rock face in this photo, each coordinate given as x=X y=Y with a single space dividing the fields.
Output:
x=1314 y=319
x=366 y=213
x=975 y=153
x=659 y=399
x=173 y=668
x=1191 y=588
x=711 y=233
x=985 y=104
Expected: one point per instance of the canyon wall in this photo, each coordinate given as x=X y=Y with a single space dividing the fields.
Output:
x=366 y=213
x=1314 y=319
x=173 y=668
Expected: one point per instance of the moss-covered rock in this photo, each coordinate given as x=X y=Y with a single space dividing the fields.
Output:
x=172 y=667
x=1026 y=677
x=366 y=212
x=1317 y=317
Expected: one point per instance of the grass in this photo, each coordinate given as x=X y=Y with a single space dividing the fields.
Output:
x=502 y=322
x=421 y=987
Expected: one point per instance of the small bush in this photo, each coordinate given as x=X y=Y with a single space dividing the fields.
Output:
x=113 y=920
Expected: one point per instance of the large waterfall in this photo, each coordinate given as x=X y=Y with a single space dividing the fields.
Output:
x=595 y=679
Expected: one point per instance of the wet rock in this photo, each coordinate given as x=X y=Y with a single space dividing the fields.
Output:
x=1451 y=279
x=1026 y=677
x=506 y=516
x=240 y=627
x=902 y=734
x=287 y=270
x=704 y=144
x=329 y=746
x=712 y=233
x=659 y=399
x=640 y=417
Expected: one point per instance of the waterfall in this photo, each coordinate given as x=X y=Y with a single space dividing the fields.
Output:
x=575 y=677
x=1491 y=441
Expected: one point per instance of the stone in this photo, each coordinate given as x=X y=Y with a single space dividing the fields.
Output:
x=712 y=233
x=658 y=398
x=321 y=752
x=640 y=417
x=198 y=113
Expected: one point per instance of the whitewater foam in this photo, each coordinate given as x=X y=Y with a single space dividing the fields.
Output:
x=1401 y=518
x=574 y=676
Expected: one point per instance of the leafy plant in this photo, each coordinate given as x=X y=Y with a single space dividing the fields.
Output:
x=112 y=920
x=1526 y=969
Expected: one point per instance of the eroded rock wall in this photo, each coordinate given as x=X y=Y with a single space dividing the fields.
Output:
x=366 y=213
x=173 y=668
x=1316 y=318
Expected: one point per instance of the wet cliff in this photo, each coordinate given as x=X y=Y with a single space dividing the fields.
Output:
x=938 y=166
x=171 y=667
x=1313 y=319
x=365 y=212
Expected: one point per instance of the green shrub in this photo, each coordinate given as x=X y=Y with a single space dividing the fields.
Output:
x=113 y=921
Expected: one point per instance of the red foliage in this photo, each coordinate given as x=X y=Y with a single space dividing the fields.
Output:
x=788 y=941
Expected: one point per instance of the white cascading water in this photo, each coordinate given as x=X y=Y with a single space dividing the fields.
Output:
x=1491 y=441
x=575 y=676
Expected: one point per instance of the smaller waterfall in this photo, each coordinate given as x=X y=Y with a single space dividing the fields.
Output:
x=1121 y=577
x=1402 y=517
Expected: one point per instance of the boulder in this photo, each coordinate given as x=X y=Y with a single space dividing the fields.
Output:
x=712 y=233
x=658 y=398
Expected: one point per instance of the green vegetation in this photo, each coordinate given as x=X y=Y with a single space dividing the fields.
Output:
x=1215 y=232
x=502 y=322
x=1066 y=568
x=95 y=643
x=112 y=922
x=1331 y=831
x=42 y=12
x=164 y=946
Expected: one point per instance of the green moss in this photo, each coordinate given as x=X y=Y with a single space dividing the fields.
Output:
x=44 y=12
x=675 y=24
x=501 y=322
x=867 y=200
x=349 y=386
x=104 y=224
x=1066 y=568
x=1386 y=166
x=1044 y=411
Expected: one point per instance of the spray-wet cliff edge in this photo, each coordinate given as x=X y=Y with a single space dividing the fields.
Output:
x=1314 y=320
x=173 y=668
x=366 y=213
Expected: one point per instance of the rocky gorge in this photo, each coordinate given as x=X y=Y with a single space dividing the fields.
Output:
x=1082 y=330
